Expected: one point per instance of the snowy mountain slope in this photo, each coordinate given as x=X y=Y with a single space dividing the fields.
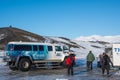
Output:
x=62 y=40
x=8 y=34
x=94 y=43
x=96 y=48
x=110 y=39
x=81 y=47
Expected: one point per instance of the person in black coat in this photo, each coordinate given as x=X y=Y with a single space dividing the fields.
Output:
x=105 y=63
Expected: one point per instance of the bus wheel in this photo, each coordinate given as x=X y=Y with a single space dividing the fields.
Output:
x=24 y=64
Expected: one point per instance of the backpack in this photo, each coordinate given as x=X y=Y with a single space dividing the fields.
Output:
x=106 y=62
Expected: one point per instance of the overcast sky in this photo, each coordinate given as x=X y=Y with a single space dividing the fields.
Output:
x=66 y=18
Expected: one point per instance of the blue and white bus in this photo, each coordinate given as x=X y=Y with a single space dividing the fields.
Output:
x=22 y=55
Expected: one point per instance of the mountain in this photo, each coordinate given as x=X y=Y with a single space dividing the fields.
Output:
x=8 y=34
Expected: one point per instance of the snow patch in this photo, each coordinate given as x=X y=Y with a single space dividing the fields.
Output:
x=60 y=39
x=1 y=53
x=2 y=36
x=117 y=73
x=63 y=41
x=1 y=58
x=30 y=38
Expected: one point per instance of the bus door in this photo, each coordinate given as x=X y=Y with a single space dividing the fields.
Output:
x=50 y=52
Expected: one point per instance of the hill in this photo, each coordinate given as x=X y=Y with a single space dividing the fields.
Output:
x=8 y=34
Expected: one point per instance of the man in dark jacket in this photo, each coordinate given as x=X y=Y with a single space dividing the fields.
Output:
x=90 y=59
x=105 y=63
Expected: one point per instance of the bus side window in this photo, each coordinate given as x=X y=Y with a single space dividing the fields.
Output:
x=65 y=48
x=58 y=48
x=22 y=47
x=50 y=48
x=35 y=48
x=41 y=48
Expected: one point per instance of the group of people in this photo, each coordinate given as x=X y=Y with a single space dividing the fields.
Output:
x=103 y=62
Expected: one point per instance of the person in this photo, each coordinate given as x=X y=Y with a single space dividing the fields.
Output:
x=99 y=61
x=105 y=63
x=70 y=61
x=90 y=59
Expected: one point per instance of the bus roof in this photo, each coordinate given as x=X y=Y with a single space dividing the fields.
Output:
x=32 y=43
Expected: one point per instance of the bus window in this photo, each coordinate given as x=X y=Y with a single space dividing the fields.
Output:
x=50 y=48
x=41 y=48
x=65 y=48
x=22 y=48
x=35 y=48
x=58 y=48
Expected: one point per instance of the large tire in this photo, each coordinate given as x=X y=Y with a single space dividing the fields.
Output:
x=24 y=64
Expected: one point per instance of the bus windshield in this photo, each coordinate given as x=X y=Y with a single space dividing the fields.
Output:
x=9 y=47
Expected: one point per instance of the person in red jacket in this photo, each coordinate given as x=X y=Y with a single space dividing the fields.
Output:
x=70 y=61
